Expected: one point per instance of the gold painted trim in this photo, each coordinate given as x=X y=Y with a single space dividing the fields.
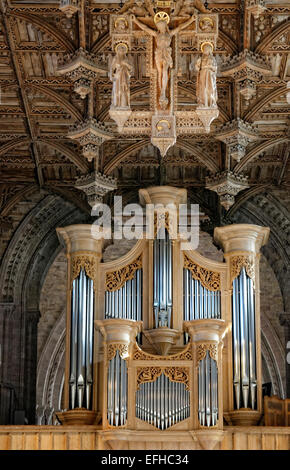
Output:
x=175 y=374
x=116 y=279
x=185 y=355
x=242 y=261
x=202 y=348
x=211 y=280
x=122 y=348
x=86 y=260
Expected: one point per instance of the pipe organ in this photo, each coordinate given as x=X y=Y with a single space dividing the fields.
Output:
x=199 y=361
x=162 y=282
x=81 y=343
x=244 y=342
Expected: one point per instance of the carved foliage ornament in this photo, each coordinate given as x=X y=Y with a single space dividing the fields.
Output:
x=203 y=348
x=116 y=279
x=185 y=355
x=175 y=374
x=211 y=280
x=243 y=261
x=122 y=348
x=167 y=220
x=84 y=260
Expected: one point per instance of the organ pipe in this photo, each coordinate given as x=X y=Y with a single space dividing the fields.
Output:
x=244 y=342
x=126 y=302
x=117 y=391
x=198 y=302
x=162 y=403
x=207 y=391
x=81 y=343
x=162 y=281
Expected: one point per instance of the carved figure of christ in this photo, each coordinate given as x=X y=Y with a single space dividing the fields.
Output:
x=162 y=56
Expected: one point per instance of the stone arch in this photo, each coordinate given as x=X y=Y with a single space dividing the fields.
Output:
x=275 y=33
x=257 y=150
x=203 y=159
x=258 y=105
x=50 y=373
x=59 y=37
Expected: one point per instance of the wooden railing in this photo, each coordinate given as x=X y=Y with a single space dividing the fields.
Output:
x=93 y=438
x=277 y=411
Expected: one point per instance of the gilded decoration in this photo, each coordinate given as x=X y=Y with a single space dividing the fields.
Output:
x=84 y=260
x=185 y=355
x=167 y=220
x=122 y=348
x=202 y=348
x=116 y=279
x=211 y=280
x=175 y=374
x=242 y=261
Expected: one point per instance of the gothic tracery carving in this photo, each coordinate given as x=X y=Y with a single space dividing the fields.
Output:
x=175 y=374
x=84 y=260
x=116 y=279
x=242 y=261
x=202 y=349
x=211 y=280
x=122 y=348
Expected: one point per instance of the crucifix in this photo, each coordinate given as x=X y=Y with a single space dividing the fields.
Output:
x=162 y=30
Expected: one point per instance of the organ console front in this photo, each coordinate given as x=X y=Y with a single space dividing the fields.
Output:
x=163 y=338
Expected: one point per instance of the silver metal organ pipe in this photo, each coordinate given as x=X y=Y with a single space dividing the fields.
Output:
x=244 y=341
x=244 y=338
x=162 y=280
x=73 y=343
x=89 y=341
x=170 y=280
x=81 y=339
x=202 y=303
x=162 y=403
x=252 y=342
x=236 y=344
x=117 y=390
x=186 y=299
x=207 y=391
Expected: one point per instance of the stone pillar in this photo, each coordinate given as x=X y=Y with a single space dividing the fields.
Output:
x=30 y=364
x=241 y=244
x=84 y=250
x=285 y=321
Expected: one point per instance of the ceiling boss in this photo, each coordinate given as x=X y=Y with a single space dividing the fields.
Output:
x=161 y=25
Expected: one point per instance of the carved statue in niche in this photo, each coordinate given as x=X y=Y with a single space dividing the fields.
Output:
x=206 y=66
x=162 y=56
x=120 y=73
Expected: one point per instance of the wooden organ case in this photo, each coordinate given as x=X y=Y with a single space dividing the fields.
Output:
x=163 y=339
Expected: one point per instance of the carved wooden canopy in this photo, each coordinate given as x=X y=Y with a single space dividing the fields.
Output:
x=38 y=105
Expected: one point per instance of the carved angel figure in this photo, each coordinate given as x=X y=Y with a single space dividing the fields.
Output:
x=188 y=7
x=163 y=57
x=206 y=66
x=138 y=7
x=120 y=73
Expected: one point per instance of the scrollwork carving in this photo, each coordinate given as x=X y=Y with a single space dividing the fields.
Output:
x=84 y=260
x=211 y=280
x=116 y=279
x=243 y=261
x=175 y=374
x=185 y=355
x=202 y=349
x=122 y=348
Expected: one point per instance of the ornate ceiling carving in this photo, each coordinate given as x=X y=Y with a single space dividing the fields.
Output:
x=38 y=105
